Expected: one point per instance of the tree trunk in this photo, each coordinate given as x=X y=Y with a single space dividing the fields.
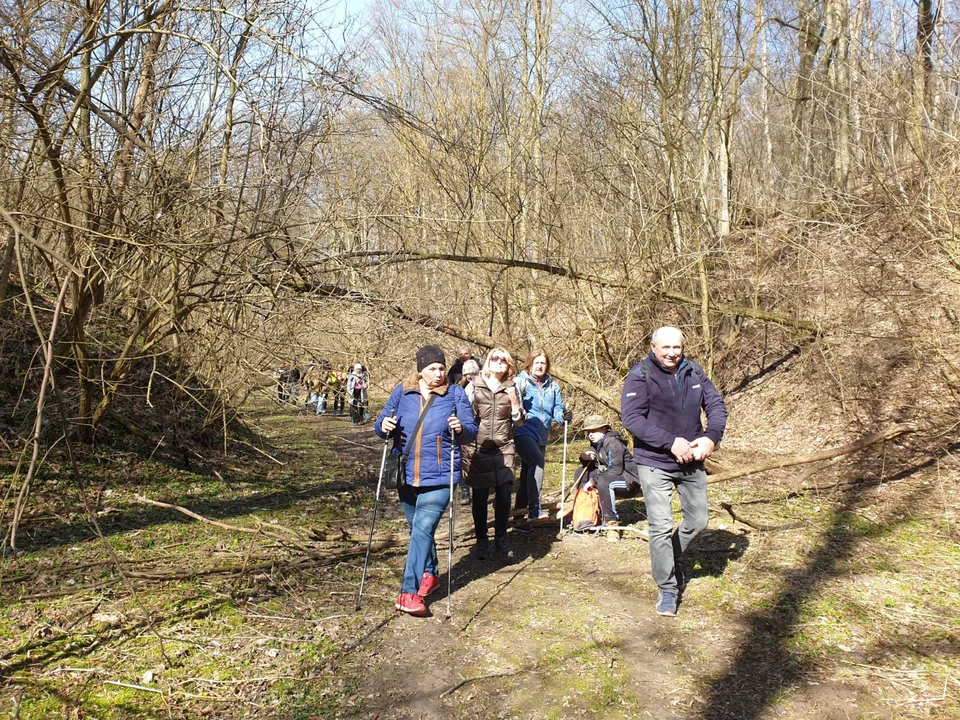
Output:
x=838 y=42
x=808 y=44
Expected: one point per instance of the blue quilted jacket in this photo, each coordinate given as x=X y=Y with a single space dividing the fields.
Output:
x=428 y=460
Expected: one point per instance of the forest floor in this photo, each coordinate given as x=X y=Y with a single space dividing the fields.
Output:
x=850 y=610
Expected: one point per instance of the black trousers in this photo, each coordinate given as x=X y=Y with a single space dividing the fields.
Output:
x=501 y=510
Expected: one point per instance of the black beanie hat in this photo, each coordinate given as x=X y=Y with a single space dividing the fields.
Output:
x=429 y=354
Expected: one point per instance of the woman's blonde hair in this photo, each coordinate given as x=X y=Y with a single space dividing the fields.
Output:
x=511 y=366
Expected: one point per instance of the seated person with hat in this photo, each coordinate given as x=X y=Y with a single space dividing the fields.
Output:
x=611 y=469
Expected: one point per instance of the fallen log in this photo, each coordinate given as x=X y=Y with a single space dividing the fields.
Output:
x=888 y=433
x=267 y=530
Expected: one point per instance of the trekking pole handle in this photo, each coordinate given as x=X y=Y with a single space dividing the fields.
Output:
x=390 y=432
x=453 y=431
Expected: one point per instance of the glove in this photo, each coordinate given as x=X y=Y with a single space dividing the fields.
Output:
x=587 y=459
x=567 y=416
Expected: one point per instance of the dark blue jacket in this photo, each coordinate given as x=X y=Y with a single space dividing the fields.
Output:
x=658 y=406
x=613 y=457
x=428 y=461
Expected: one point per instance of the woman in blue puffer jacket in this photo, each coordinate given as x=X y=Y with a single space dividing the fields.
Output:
x=425 y=492
x=543 y=406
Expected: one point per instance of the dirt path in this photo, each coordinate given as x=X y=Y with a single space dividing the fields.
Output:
x=562 y=630
x=567 y=630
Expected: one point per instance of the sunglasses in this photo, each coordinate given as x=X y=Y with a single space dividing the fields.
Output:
x=498 y=358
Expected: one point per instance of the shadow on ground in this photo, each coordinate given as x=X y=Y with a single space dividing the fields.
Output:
x=765 y=668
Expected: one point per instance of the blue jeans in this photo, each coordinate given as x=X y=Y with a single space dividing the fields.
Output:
x=666 y=544
x=320 y=401
x=531 y=474
x=424 y=509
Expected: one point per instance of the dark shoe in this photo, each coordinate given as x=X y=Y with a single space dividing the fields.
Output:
x=667 y=604
x=503 y=550
x=428 y=584
x=482 y=550
x=412 y=604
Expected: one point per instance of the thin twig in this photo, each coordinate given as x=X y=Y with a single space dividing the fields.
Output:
x=262 y=452
x=465 y=681
x=47 y=348
x=887 y=433
x=294 y=538
x=761 y=526
x=133 y=687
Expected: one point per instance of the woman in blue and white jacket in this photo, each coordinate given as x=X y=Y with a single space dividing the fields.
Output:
x=543 y=406
x=425 y=492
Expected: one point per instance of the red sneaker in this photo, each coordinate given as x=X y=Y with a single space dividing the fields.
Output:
x=412 y=604
x=428 y=584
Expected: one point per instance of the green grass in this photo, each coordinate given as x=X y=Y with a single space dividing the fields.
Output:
x=217 y=628
x=263 y=646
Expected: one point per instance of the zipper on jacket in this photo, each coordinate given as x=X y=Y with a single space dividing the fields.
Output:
x=493 y=412
x=416 y=446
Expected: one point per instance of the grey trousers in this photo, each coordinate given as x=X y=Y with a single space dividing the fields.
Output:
x=666 y=543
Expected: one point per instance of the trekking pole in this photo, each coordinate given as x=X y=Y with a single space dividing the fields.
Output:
x=563 y=480
x=453 y=449
x=376 y=503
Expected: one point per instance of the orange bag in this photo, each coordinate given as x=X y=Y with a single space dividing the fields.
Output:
x=586 y=509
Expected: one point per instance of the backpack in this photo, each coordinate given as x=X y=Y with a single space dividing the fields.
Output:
x=586 y=509
x=642 y=369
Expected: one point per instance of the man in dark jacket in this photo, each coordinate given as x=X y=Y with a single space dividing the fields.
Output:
x=464 y=354
x=660 y=406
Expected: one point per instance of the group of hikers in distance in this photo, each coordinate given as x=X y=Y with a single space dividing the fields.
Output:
x=466 y=426
x=326 y=387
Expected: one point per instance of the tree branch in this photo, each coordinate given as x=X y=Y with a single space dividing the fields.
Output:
x=888 y=433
